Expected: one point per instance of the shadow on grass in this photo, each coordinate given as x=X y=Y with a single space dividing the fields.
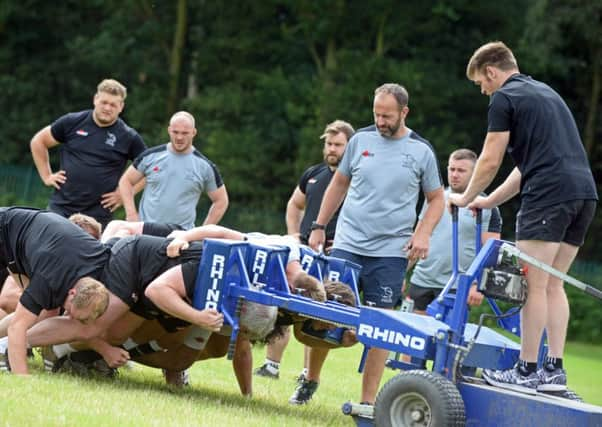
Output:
x=207 y=394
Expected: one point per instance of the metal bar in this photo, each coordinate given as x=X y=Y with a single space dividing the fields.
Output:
x=513 y=250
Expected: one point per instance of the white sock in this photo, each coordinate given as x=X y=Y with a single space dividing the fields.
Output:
x=62 y=350
x=272 y=366
x=129 y=344
x=155 y=345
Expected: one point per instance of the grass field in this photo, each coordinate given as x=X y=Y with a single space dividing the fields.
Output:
x=138 y=397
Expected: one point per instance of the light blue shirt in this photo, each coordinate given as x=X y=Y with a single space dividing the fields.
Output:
x=174 y=184
x=387 y=175
x=436 y=269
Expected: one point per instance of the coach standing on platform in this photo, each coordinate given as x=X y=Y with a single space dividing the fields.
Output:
x=95 y=147
x=558 y=195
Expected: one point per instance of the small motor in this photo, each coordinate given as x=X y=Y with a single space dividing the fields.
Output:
x=505 y=282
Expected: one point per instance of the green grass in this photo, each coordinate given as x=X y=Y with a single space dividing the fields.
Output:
x=139 y=397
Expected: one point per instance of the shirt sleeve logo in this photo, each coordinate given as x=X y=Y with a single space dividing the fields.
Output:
x=81 y=132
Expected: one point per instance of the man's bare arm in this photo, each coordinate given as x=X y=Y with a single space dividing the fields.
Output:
x=219 y=205
x=294 y=212
x=40 y=144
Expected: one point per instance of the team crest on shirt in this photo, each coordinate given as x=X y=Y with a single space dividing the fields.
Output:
x=366 y=153
x=387 y=294
x=81 y=132
x=407 y=161
x=110 y=139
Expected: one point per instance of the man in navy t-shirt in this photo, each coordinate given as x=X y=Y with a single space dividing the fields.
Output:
x=95 y=147
x=530 y=121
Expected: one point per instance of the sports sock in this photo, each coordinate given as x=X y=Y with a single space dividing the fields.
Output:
x=526 y=368
x=271 y=365
x=61 y=350
x=146 y=348
x=129 y=344
x=552 y=363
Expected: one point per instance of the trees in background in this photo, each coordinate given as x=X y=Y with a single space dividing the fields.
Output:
x=263 y=78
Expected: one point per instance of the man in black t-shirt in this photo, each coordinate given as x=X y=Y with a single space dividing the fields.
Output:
x=304 y=204
x=95 y=147
x=530 y=121
x=144 y=284
x=135 y=261
x=301 y=211
x=49 y=256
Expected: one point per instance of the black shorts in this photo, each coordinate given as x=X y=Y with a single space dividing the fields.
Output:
x=564 y=222
x=190 y=270
x=159 y=229
x=422 y=296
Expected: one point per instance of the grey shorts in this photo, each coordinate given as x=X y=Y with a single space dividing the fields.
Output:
x=422 y=296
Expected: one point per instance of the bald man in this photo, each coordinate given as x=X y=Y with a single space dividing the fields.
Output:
x=176 y=175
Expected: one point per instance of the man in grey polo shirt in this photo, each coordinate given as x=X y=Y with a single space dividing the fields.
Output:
x=176 y=175
x=380 y=177
x=431 y=274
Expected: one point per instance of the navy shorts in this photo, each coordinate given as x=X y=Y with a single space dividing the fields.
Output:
x=422 y=296
x=381 y=278
x=564 y=222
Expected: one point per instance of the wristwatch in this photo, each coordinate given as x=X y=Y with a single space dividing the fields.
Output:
x=316 y=226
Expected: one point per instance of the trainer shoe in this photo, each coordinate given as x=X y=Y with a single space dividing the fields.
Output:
x=268 y=371
x=51 y=360
x=101 y=368
x=176 y=378
x=551 y=381
x=71 y=364
x=511 y=379
x=303 y=393
x=302 y=376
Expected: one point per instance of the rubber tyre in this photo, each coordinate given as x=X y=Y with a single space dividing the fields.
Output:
x=419 y=398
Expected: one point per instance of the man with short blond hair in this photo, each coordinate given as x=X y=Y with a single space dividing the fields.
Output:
x=48 y=256
x=95 y=146
x=89 y=293
x=338 y=126
x=112 y=87
x=176 y=175
x=88 y=224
